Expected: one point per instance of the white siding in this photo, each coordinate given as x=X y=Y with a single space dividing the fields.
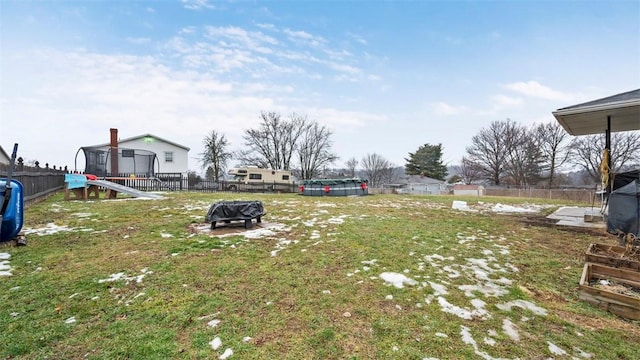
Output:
x=180 y=155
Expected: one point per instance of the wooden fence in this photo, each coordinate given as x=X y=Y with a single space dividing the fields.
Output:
x=38 y=183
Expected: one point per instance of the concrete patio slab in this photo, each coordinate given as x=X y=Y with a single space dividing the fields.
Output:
x=574 y=216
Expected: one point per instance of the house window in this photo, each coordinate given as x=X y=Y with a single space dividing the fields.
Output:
x=100 y=158
x=128 y=153
x=285 y=177
x=255 y=176
x=168 y=156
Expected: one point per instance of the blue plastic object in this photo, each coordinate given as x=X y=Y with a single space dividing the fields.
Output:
x=13 y=216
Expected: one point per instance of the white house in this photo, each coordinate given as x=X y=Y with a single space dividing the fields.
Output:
x=4 y=157
x=418 y=184
x=170 y=157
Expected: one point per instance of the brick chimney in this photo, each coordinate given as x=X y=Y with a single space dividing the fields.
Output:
x=114 y=151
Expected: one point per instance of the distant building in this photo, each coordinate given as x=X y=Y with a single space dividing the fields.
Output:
x=418 y=184
x=468 y=190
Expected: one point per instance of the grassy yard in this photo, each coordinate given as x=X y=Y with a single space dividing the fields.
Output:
x=144 y=279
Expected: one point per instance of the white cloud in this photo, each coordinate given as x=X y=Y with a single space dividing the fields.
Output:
x=197 y=4
x=357 y=38
x=535 y=89
x=150 y=10
x=442 y=108
x=505 y=101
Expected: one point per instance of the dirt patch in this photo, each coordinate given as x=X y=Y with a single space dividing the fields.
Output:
x=598 y=323
x=224 y=229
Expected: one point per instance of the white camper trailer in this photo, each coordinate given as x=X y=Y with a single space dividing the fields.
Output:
x=254 y=175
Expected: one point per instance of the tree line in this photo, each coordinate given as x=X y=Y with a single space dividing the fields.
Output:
x=504 y=153
x=507 y=153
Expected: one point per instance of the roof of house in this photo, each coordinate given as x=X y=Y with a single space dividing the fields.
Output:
x=467 y=187
x=418 y=179
x=591 y=117
x=141 y=137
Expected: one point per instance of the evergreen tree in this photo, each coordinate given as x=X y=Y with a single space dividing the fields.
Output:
x=427 y=161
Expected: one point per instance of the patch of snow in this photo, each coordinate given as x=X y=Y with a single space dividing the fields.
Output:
x=369 y=262
x=389 y=297
x=82 y=215
x=337 y=220
x=465 y=332
x=73 y=295
x=14 y=314
x=49 y=229
x=555 y=350
x=395 y=348
x=5 y=256
x=215 y=343
x=510 y=329
x=464 y=313
x=165 y=235
x=489 y=341
x=460 y=205
x=397 y=280
x=5 y=268
x=442 y=335
x=523 y=304
x=582 y=354
x=438 y=288
x=246 y=339
x=226 y=354
x=122 y=276
x=326 y=291
x=70 y=320
x=501 y=208
x=213 y=323
x=488 y=289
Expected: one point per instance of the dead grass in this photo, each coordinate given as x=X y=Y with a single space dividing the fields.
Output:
x=320 y=296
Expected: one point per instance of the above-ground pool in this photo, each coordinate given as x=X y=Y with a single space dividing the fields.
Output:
x=334 y=187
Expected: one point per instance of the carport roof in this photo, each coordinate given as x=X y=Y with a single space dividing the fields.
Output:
x=591 y=117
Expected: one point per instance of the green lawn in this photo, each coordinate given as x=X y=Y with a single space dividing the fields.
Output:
x=139 y=279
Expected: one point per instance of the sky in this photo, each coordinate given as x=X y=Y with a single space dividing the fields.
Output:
x=385 y=76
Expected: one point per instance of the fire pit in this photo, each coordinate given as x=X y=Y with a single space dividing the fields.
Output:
x=228 y=211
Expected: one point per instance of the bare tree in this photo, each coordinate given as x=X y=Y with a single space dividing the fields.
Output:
x=554 y=147
x=587 y=151
x=377 y=169
x=351 y=165
x=469 y=171
x=314 y=150
x=215 y=155
x=273 y=144
x=522 y=167
x=490 y=148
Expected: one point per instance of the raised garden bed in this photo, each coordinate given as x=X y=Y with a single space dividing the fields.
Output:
x=614 y=289
x=615 y=256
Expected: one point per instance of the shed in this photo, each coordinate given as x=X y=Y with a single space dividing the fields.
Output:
x=468 y=190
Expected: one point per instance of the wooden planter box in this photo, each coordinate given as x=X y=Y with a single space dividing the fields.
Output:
x=610 y=255
x=624 y=305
